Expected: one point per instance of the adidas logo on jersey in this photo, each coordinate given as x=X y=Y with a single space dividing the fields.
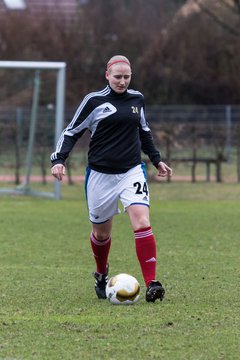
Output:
x=106 y=109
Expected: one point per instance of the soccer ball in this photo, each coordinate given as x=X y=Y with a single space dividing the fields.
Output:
x=123 y=289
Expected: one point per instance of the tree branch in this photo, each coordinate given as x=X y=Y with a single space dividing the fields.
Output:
x=217 y=20
x=236 y=3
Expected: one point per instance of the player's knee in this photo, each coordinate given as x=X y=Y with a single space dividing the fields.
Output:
x=101 y=235
x=141 y=223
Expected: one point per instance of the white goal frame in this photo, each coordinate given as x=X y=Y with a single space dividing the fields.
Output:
x=60 y=68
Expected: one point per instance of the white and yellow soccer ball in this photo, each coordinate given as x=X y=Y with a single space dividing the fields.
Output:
x=123 y=289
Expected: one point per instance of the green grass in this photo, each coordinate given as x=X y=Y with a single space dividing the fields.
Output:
x=48 y=309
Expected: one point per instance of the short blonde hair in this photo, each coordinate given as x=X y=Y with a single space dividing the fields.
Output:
x=118 y=59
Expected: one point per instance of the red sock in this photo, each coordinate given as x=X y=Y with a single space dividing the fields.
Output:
x=146 y=253
x=100 y=252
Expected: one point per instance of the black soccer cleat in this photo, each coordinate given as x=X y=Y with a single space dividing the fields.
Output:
x=101 y=283
x=154 y=291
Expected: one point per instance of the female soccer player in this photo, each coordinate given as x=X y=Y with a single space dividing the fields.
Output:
x=115 y=117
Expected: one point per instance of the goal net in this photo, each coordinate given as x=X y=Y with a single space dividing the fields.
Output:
x=32 y=99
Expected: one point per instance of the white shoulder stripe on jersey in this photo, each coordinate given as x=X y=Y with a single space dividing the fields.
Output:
x=143 y=121
x=131 y=91
x=103 y=92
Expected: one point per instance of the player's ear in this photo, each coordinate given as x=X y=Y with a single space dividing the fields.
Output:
x=106 y=74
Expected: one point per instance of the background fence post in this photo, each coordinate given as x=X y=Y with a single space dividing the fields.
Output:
x=18 y=144
x=228 y=113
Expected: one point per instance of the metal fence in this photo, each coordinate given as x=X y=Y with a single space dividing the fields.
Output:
x=208 y=126
x=195 y=113
x=187 y=134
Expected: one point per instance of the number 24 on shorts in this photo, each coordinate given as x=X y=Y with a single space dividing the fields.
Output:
x=141 y=188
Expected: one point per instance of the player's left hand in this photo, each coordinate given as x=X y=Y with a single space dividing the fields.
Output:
x=164 y=169
x=58 y=171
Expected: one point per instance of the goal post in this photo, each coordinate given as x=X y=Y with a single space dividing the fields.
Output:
x=38 y=66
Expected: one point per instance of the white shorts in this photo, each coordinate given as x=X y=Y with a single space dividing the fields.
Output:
x=103 y=191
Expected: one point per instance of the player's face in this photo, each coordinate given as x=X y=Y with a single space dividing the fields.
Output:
x=119 y=77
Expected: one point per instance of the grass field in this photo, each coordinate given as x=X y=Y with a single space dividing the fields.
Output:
x=48 y=309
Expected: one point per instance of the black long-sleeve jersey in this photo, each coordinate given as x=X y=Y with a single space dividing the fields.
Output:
x=118 y=128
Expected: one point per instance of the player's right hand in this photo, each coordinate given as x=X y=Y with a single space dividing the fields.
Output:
x=58 y=171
